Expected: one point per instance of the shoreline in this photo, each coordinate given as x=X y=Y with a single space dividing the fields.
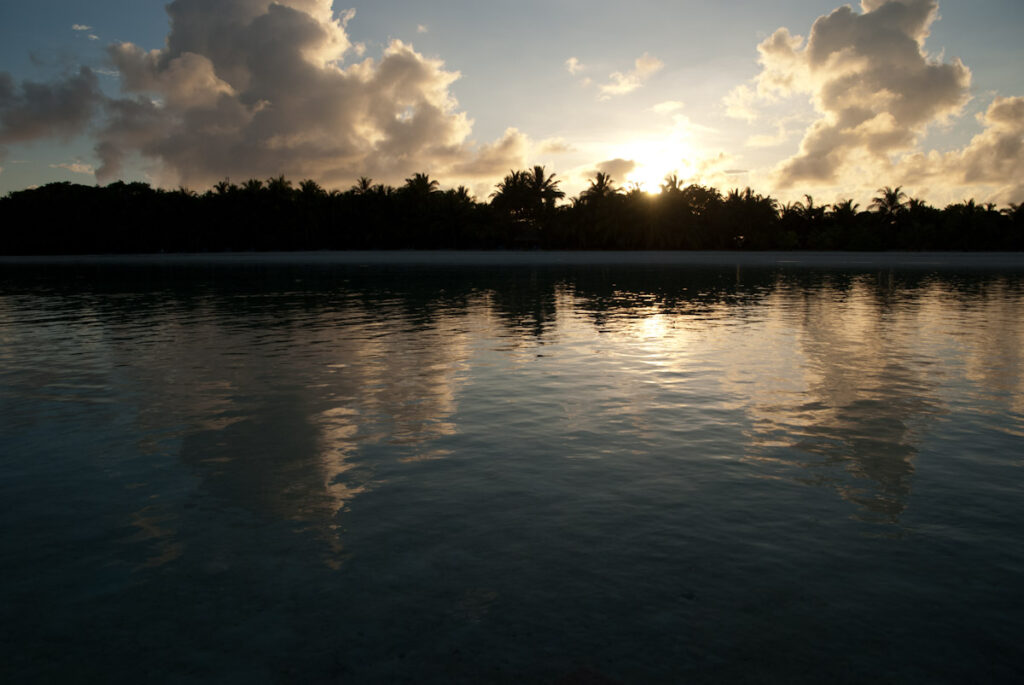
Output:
x=441 y=258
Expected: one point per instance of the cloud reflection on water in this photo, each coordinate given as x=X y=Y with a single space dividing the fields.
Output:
x=293 y=392
x=862 y=392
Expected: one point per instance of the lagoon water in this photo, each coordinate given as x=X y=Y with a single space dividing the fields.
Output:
x=509 y=468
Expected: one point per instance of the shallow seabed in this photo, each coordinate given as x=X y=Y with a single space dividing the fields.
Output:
x=371 y=468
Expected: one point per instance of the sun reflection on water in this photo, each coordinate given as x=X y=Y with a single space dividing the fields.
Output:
x=352 y=461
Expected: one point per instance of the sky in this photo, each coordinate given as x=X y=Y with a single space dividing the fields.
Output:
x=790 y=98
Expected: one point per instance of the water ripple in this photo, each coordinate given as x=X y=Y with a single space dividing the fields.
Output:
x=666 y=470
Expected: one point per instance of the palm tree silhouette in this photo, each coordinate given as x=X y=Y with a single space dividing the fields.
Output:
x=601 y=187
x=460 y=196
x=279 y=185
x=750 y=216
x=700 y=199
x=916 y=205
x=790 y=210
x=527 y=195
x=421 y=185
x=889 y=202
x=844 y=208
x=672 y=184
x=363 y=186
x=544 y=188
x=810 y=211
x=310 y=188
x=511 y=195
x=513 y=182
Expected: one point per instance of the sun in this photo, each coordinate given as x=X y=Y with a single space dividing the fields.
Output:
x=655 y=159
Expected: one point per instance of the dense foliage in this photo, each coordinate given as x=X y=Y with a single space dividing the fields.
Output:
x=63 y=218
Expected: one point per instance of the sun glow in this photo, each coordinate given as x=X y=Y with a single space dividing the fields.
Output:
x=656 y=159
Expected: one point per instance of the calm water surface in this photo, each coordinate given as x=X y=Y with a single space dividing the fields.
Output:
x=342 y=470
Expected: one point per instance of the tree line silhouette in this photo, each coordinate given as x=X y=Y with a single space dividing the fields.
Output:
x=522 y=213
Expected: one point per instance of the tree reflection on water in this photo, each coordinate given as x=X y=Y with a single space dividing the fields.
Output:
x=276 y=381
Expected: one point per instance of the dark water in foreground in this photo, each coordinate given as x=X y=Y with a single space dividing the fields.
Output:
x=287 y=471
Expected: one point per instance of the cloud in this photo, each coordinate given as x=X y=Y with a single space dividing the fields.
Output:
x=508 y=152
x=250 y=88
x=61 y=109
x=555 y=146
x=74 y=167
x=617 y=168
x=80 y=27
x=995 y=155
x=620 y=84
x=875 y=88
x=514 y=150
x=93 y=36
x=741 y=103
x=253 y=88
x=668 y=107
x=574 y=66
x=422 y=28
x=764 y=140
x=992 y=159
